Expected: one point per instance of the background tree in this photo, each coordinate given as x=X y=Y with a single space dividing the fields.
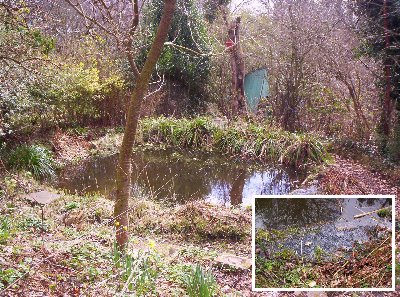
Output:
x=231 y=38
x=186 y=60
x=238 y=102
x=380 y=23
x=317 y=76
x=24 y=49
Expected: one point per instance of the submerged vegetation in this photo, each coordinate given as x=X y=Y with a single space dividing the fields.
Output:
x=367 y=265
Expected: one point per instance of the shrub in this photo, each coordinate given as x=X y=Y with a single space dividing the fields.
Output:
x=183 y=61
x=33 y=158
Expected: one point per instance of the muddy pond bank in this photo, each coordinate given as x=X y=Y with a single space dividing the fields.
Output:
x=179 y=176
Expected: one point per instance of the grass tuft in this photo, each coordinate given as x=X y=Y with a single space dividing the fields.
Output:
x=33 y=158
x=264 y=143
x=200 y=283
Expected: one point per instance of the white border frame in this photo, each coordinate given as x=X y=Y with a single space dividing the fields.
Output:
x=253 y=243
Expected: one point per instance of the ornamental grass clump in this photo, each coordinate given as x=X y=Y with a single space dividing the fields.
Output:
x=304 y=149
x=200 y=283
x=33 y=158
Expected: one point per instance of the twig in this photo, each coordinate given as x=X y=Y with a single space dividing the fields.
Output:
x=369 y=275
x=368 y=213
x=378 y=247
x=347 y=262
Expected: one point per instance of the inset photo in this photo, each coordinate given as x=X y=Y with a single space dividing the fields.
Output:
x=323 y=242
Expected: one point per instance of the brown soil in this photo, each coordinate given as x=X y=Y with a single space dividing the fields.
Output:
x=348 y=177
x=70 y=147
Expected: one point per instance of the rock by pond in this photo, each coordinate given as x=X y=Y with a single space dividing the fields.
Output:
x=179 y=176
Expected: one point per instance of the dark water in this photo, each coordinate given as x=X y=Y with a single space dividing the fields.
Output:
x=177 y=177
x=324 y=222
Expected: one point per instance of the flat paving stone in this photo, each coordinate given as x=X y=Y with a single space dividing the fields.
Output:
x=233 y=261
x=42 y=197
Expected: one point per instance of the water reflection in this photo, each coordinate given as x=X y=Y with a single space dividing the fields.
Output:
x=279 y=213
x=282 y=212
x=178 y=177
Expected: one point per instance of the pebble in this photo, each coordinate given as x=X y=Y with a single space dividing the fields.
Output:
x=226 y=289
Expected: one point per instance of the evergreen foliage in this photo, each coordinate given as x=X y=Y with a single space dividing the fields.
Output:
x=185 y=59
x=376 y=45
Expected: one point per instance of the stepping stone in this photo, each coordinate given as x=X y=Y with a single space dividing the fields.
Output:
x=42 y=197
x=233 y=262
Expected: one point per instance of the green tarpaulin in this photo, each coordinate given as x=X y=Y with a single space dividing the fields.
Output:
x=255 y=87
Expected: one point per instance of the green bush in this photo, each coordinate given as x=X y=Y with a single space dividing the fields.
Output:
x=33 y=158
x=69 y=96
x=184 y=60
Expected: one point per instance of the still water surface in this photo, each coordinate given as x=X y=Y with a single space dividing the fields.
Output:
x=177 y=177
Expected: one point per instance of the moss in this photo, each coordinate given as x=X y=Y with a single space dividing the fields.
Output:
x=384 y=213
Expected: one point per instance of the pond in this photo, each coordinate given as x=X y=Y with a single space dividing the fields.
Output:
x=326 y=223
x=178 y=176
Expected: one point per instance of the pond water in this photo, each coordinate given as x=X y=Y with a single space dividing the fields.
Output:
x=177 y=177
x=325 y=222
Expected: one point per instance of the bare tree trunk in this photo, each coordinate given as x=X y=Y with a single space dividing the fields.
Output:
x=237 y=65
x=387 y=106
x=361 y=119
x=123 y=174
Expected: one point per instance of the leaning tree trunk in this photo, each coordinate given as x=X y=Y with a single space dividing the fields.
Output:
x=123 y=174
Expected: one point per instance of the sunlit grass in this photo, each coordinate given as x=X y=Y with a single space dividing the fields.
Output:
x=33 y=158
x=265 y=143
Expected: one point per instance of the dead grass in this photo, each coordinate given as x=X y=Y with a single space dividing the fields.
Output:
x=369 y=266
x=195 y=221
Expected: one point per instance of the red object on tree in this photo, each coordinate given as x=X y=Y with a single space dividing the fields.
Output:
x=229 y=43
